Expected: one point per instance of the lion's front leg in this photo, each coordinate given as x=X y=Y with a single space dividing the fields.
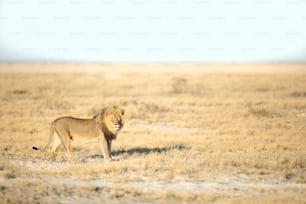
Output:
x=104 y=147
x=109 y=146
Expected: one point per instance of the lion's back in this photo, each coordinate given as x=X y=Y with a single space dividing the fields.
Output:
x=76 y=127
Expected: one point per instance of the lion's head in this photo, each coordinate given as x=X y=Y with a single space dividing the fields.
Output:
x=112 y=120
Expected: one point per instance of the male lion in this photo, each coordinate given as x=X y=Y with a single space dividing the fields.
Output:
x=104 y=126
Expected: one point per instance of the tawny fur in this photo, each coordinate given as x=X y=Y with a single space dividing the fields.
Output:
x=104 y=126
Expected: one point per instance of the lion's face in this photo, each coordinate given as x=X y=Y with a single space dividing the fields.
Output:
x=117 y=121
x=114 y=119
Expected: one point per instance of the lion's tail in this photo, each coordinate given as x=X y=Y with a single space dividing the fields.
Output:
x=35 y=148
x=51 y=135
x=39 y=149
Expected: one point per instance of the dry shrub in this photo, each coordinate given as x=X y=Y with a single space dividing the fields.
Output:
x=259 y=111
x=179 y=85
x=297 y=94
x=20 y=92
x=151 y=107
x=144 y=110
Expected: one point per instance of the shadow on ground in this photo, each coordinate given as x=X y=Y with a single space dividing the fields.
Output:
x=145 y=150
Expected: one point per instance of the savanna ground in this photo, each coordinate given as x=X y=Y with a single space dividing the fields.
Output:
x=193 y=134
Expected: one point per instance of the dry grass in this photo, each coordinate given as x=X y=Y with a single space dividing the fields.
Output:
x=189 y=137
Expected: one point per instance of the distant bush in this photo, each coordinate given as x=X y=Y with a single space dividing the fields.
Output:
x=298 y=94
x=256 y=110
x=179 y=85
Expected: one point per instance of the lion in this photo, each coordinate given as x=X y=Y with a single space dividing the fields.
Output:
x=104 y=126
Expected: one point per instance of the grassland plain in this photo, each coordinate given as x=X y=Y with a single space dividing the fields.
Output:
x=191 y=136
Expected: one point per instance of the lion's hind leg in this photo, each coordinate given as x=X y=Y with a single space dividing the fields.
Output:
x=65 y=139
x=53 y=143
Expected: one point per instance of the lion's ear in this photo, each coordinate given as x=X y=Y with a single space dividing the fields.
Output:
x=122 y=112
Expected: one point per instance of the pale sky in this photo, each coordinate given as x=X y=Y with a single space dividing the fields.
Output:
x=153 y=30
